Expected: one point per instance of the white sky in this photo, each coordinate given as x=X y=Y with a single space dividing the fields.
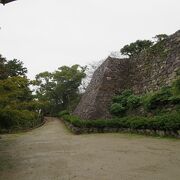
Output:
x=46 y=34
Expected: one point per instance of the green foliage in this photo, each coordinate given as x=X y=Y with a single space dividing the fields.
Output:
x=133 y=101
x=18 y=107
x=161 y=101
x=157 y=99
x=3 y=69
x=158 y=50
x=126 y=100
x=176 y=87
x=60 y=88
x=11 y=68
x=17 y=119
x=136 y=47
x=122 y=98
x=170 y=121
x=160 y=37
x=117 y=109
x=15 y=68
x=62 y=113
x=164 y=97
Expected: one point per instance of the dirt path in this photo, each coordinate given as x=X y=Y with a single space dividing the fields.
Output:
x=51 y=152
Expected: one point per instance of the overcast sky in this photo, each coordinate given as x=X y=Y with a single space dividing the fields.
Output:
x=46 y=34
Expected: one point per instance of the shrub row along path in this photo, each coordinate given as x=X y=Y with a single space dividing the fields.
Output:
x=51 y=152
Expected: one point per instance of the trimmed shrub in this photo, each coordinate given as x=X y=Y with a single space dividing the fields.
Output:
x=164 y=122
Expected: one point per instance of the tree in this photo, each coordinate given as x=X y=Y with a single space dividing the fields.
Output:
x=15 y=68
x=11 y=68
x=160 y=37
x=136 y=47
x=14 y=90
x=3 y=69
x=18 y=107
x=68 y=81
x=60 y=89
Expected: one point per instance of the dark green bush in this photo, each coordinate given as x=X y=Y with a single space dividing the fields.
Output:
x=16 y=119
x=174 y=100
x=163 y=122
x=122 y=98
x=117 y=109
x=133 y=101
x=121 y=103
x=62 y=113
x=157 y=99
x=176 y=87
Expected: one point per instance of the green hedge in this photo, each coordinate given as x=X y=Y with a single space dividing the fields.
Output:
x=164 y=122
x=17 y=119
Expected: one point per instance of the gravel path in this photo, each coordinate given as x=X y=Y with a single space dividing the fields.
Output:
x=51 y=152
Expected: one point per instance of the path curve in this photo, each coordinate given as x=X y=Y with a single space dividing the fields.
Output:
x=51 y=152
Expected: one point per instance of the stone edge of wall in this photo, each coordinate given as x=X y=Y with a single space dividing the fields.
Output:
x=161 y=133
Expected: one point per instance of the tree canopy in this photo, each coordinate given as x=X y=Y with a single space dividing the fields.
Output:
x=136 y=47
x=11 y=68
x=160 y=37
x=60 y=89
x=18 y=107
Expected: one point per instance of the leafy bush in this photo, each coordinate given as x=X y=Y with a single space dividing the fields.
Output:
x=122 y=98
x=133 y=101
x=164 y=122
x=136 y=47
x=160 y=99
x=117 y=109
x=158 y=102
x=16 y=119
x=62 y=113
x=121 y=103
x=176 y=87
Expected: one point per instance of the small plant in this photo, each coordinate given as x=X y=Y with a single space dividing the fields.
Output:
x=157 y=99
x=117 y=109
x=133 y=101
x=176 y=87
x=126 y=100
x=62 y=113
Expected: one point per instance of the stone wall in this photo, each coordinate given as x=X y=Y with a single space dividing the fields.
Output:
x=107 y=79
x=149 y=71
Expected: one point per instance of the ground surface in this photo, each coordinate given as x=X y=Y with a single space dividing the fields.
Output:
x=51 y=152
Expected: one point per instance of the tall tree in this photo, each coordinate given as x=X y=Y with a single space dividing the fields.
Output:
x=136 y=47
x=15 y=68
x=3 y=68
x=160 y=37
x=11 y=68
x=60 y=88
